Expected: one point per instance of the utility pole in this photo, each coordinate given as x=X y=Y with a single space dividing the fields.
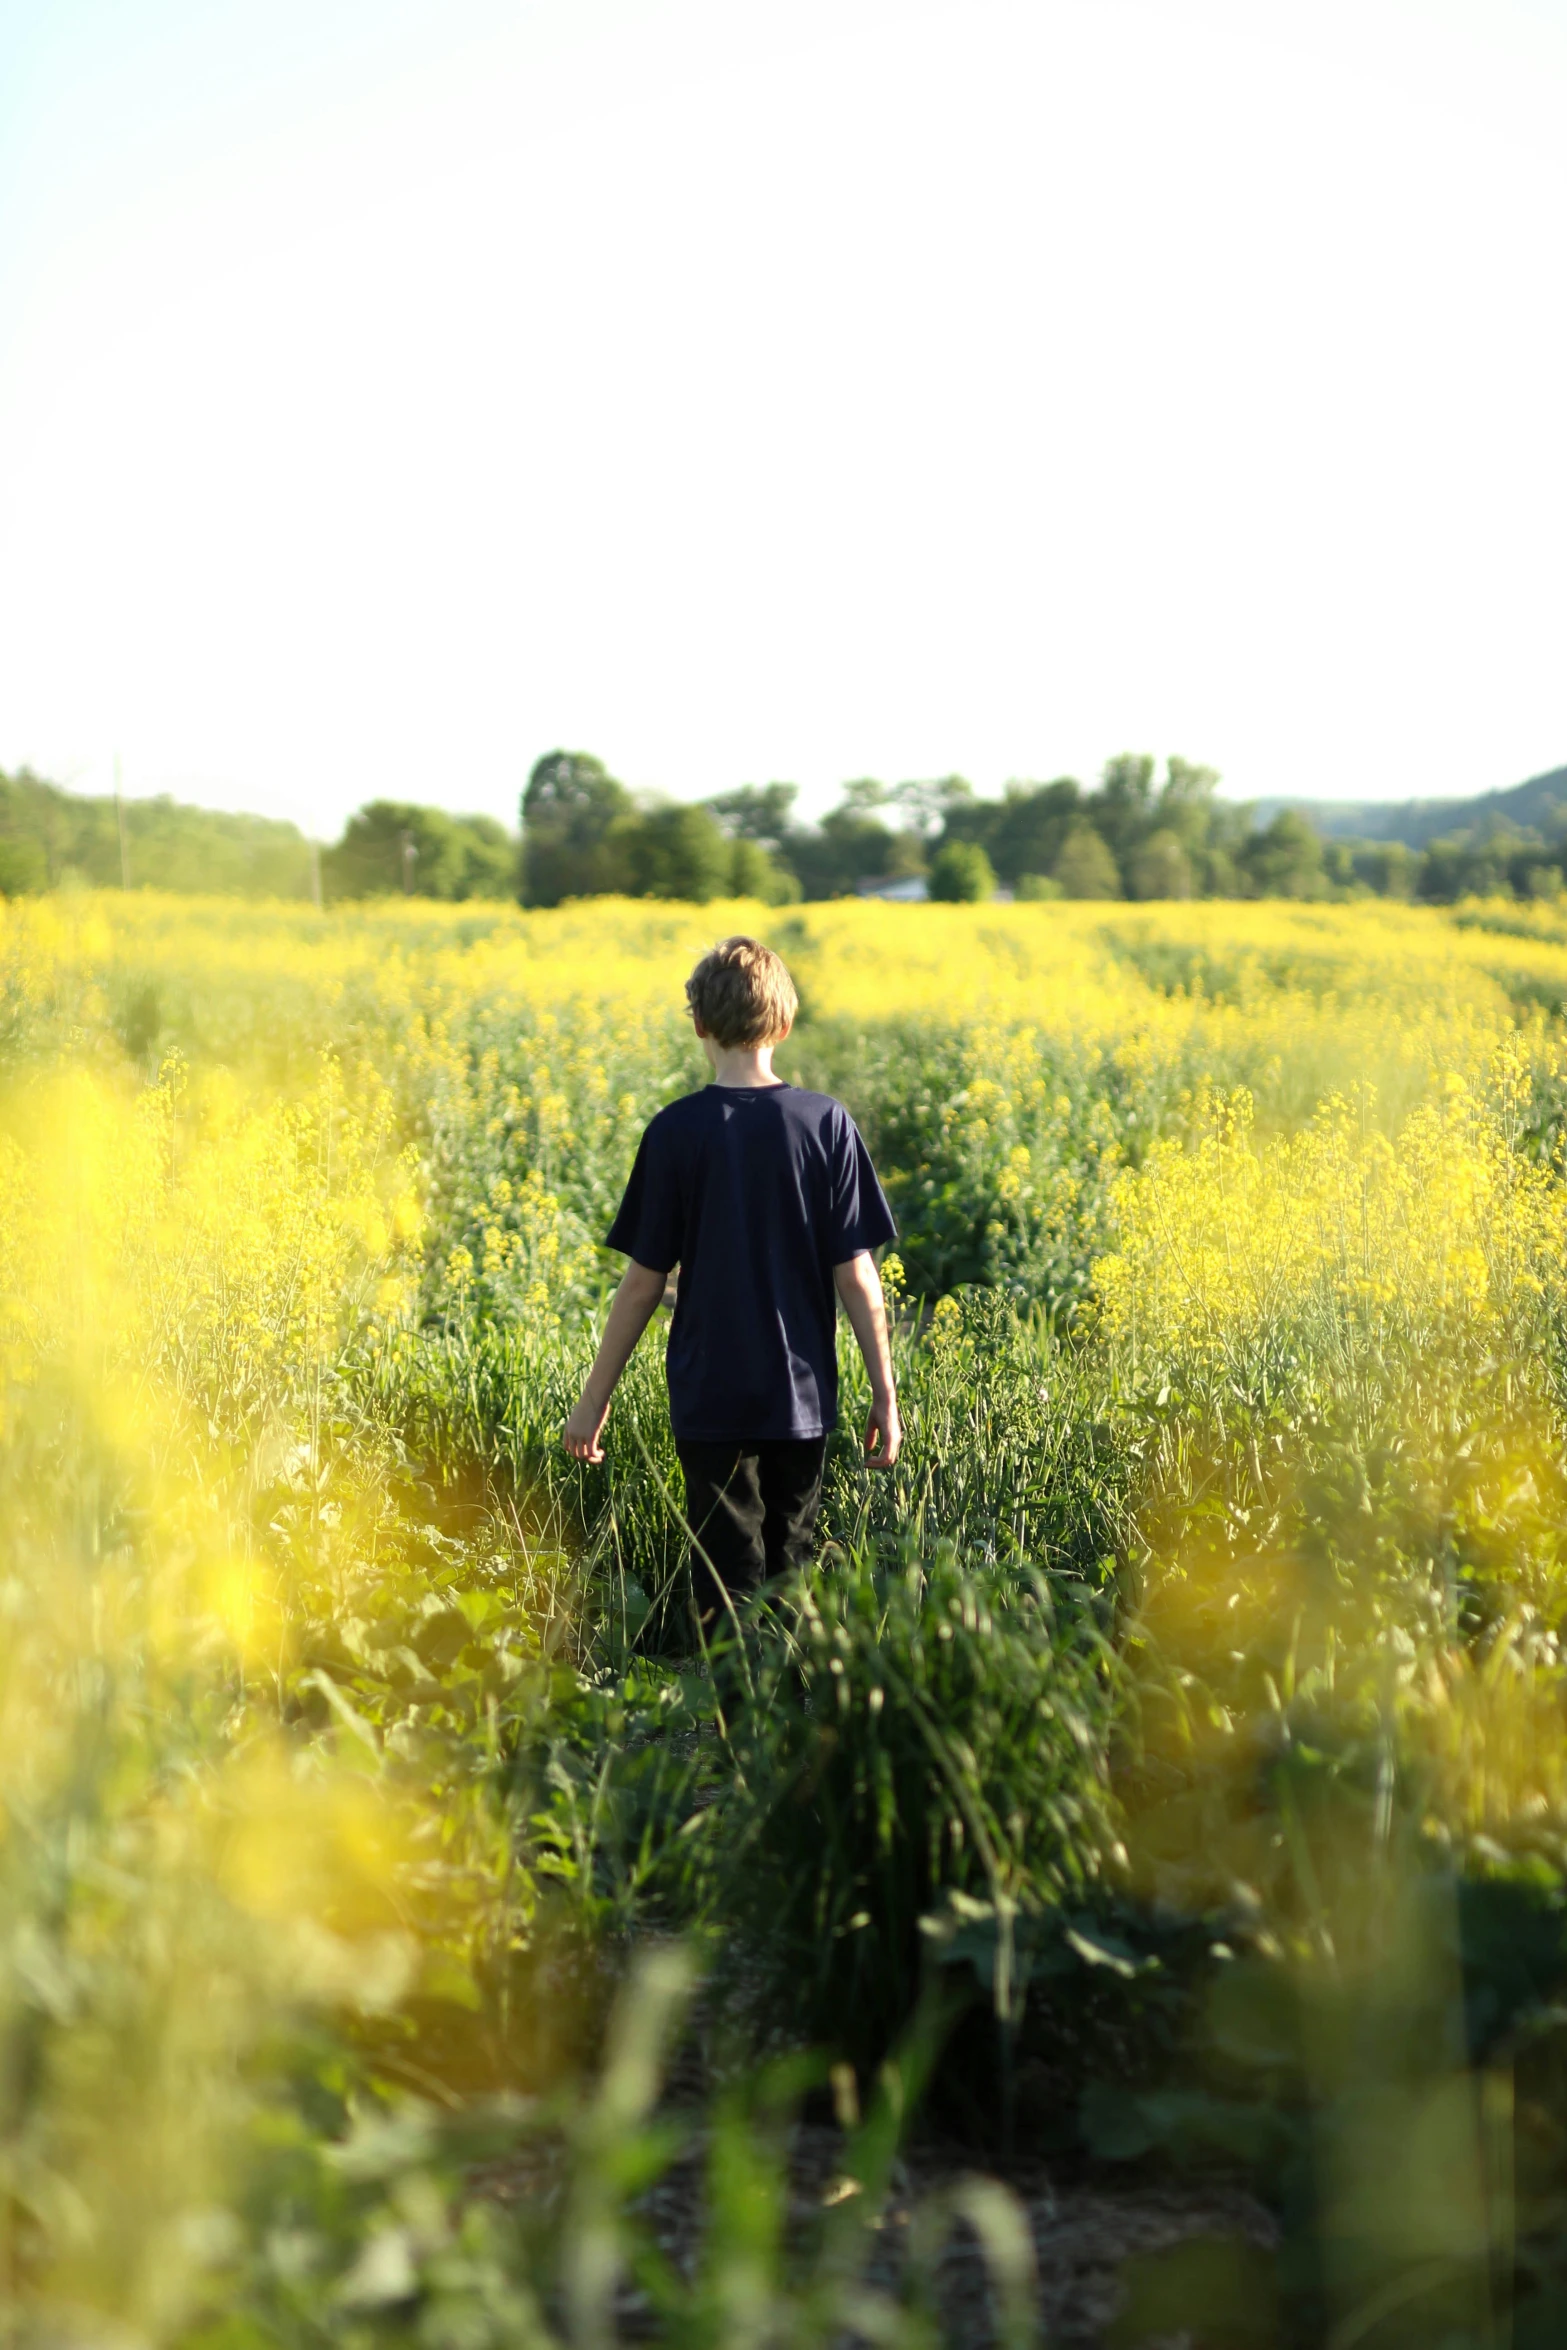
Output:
x=119 y=818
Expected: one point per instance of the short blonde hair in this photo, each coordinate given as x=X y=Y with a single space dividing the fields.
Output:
x=741 y=993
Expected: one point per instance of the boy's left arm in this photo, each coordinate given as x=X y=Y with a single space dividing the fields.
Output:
x=636 y=1301
x=859 y=1286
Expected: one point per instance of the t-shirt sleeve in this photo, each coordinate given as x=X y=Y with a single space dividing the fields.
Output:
x=648 y=1223
x=859 y=1217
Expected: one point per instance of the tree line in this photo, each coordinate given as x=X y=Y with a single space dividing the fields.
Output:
x=1138 y=833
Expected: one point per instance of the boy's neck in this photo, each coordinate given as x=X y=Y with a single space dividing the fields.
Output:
x=741 y=1064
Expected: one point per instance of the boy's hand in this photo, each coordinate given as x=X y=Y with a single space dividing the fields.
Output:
x=581 y=1432
x=859 y=1288
x=640 y=1289
x=883 y=1434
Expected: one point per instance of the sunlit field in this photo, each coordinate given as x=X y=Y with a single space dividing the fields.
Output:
x=1163 y=1774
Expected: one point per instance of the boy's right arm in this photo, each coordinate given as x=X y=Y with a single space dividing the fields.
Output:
x=636 y=1301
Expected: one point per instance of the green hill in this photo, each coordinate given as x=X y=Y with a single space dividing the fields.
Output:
x=1538 y=807
x=49 y=836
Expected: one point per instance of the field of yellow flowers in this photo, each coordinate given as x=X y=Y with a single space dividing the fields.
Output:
x=1168 y=1764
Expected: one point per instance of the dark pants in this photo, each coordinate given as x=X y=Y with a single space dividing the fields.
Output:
x=752 y=1511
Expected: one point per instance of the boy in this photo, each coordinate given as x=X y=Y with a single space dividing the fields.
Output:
x=766 y=1199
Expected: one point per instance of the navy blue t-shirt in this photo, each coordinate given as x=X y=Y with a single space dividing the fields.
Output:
x=756 y=1192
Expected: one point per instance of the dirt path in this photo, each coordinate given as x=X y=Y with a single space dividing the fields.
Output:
x=1083 y=2232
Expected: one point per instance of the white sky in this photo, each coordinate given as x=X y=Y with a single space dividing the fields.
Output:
x=391 y=390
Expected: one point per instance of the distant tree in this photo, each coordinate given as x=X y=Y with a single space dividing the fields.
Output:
x=961 y=874
x=584 y=835
x=1388 y=867
x=1444 y=869
x=23 y=867
x=1123 y=807
x=852 y=844
x=576 y=827
x=1338 y=865
x=1159 y=866
x=396 y=848
x=1036 y=889
x=757 y=812
x=753 y=873
x=928 y=808
x=1186 y=802
x=680 y=851
x=490 y=869
x=1187 y=783
x=1210 y=830
x=1188 y=807
x=1461 y=866
x=1538 y=875
x=1530 y=869
x=1023 y=832
x=1285 y=859
x=1085 y=868
x=758 y=818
